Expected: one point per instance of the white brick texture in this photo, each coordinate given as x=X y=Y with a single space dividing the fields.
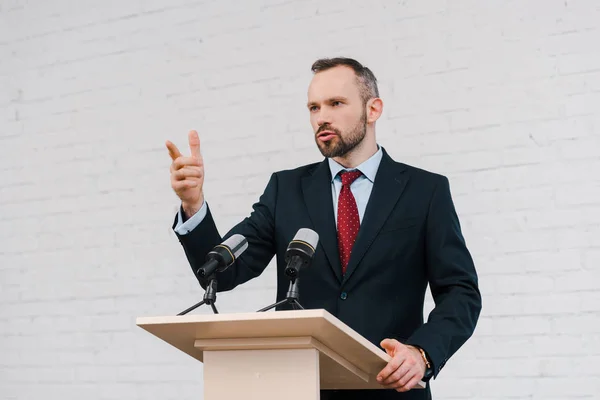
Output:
x=503 y=97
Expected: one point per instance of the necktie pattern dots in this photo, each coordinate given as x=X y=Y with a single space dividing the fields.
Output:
x=348 y=221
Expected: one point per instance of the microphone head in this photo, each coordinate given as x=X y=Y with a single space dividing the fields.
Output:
x=237 y=244
x=308 y=237
x=300 y=251
x=223 y=255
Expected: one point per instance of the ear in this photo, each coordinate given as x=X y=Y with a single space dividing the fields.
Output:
x=374 y=109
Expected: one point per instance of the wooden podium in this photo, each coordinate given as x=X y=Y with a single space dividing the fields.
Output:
x=273 y=355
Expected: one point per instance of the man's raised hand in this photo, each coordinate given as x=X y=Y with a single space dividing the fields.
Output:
x=187 y=175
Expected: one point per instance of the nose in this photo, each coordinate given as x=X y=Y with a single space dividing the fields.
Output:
x=323 y=117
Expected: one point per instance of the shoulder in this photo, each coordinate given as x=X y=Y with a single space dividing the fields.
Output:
x=298 y=172
x=429 y=186
x=421 y=175
x=424 y=175
x=424 y=183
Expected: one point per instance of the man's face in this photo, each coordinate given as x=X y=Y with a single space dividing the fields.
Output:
x=337 y=113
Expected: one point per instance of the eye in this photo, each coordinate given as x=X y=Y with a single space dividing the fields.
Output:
x=313 y=108
x=336 y=103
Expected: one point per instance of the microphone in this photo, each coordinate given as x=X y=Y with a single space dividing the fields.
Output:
x=223 y=255
x=300 y=251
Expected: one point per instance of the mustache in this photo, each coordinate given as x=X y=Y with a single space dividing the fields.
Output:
x=327 y=127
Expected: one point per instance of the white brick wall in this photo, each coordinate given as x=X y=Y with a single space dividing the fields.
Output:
x=501 y=96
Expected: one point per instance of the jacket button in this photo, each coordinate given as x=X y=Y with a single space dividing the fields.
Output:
x=344 y=296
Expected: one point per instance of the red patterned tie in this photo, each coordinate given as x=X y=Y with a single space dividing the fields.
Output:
x=348 y=221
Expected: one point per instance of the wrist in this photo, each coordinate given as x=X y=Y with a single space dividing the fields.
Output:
x=421 y=357
x=192 y=208
x=425 y=362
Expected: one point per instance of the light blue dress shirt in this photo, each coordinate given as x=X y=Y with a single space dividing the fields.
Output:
x=361 y=189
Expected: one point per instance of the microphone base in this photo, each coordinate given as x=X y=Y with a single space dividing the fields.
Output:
x=210 y=297
x=292 y=298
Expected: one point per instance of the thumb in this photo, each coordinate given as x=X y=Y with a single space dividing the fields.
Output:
x=389 y=345
x=194 y=144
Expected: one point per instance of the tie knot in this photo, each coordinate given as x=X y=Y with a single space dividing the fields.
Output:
x=349 y=177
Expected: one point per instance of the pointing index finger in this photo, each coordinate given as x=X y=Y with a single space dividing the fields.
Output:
x=173 y=150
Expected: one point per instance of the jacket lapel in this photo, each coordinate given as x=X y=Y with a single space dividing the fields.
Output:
x=390 y=182
x=317 y=195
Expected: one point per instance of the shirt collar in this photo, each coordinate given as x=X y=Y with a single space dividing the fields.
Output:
x=368 y=168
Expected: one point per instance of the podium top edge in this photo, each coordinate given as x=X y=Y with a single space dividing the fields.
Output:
x=251 y=316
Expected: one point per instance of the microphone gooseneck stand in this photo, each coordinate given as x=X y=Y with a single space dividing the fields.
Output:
x=210 y=296
x=292 y=297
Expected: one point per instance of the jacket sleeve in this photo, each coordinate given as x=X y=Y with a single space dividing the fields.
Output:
x=258 y=229
x=453 y=282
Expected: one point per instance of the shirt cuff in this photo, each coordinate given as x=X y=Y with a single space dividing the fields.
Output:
x=183 y=228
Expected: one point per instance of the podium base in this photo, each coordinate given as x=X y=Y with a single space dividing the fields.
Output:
x=291 y=374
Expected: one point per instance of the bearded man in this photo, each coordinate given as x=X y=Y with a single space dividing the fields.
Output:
x=386 y=230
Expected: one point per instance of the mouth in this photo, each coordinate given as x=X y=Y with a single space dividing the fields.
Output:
x=326 y=136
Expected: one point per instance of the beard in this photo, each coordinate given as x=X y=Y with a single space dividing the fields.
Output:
x=340 y=145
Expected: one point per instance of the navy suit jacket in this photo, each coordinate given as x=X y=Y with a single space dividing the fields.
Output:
x=410 y=237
